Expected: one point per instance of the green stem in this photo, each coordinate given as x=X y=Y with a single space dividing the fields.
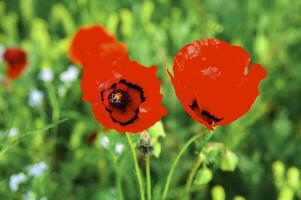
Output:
x=119 y=186
x=192 y=173
x=148 y=178
x=118 y=177
x=118 y=182
x=55 y=106
x=134 y=155
x=175 y=162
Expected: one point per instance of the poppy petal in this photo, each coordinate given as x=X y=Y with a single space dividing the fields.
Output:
x=16 y=60
x=212 y=81
x=94 y=41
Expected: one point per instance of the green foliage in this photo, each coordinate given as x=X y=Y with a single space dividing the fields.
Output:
x=256 y=157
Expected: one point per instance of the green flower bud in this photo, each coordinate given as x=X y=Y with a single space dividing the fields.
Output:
x=286 y=194
x=228 y=161
x=218 y=193
x=293 y=177
x=203 y=176
x=278 y=171
x=239 y=198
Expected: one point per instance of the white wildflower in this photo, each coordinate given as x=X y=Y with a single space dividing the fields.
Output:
x=12 y=132
x=15 y=180
x=37 y=169
x=29 y=195
x=35 y=98
x=46 y=75
x=119 y=147
x=105 y=142
x=69 y=75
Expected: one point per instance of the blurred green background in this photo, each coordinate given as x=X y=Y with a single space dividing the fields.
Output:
x=257 y=157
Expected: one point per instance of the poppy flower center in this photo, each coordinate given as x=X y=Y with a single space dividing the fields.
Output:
x=122 y=100
x=119 y=99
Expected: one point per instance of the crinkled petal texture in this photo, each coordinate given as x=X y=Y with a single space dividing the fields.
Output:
x=214 y=81
x=16 y=60
x=94 y=41
x=127 y=98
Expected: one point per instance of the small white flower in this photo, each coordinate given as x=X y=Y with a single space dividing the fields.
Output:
x=37 y=169
x=2 y=50
x=112 y=194
x=35 y=98
x=46 y=75
x=15 y=180
x=12 y=132
x=69 y=75
x=119 y=148
x=105 y=142
x=29 y=195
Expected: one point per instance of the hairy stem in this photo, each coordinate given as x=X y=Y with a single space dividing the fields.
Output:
x=138 y=174
x=192 y=173
x=175 y=162
x=148 y=178
x=119 y=184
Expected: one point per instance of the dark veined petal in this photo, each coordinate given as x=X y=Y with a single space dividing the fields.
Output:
x=214 y=82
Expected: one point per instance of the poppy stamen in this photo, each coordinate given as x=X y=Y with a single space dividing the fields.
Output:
x=119 y=99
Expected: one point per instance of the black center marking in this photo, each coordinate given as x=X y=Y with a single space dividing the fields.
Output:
x=132 y=120
x=207 y=116
x=135 y=87
x=119 y=99
x=210 y=116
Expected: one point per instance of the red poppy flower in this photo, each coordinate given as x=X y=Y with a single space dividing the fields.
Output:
x=214 y=81
x=94 y=41
x=127 y=98
x=16 y=61
x=125 y=95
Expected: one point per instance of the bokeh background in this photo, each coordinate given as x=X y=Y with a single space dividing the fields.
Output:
x=52 y=148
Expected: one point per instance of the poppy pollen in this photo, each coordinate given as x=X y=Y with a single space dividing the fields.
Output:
x=119 y=99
